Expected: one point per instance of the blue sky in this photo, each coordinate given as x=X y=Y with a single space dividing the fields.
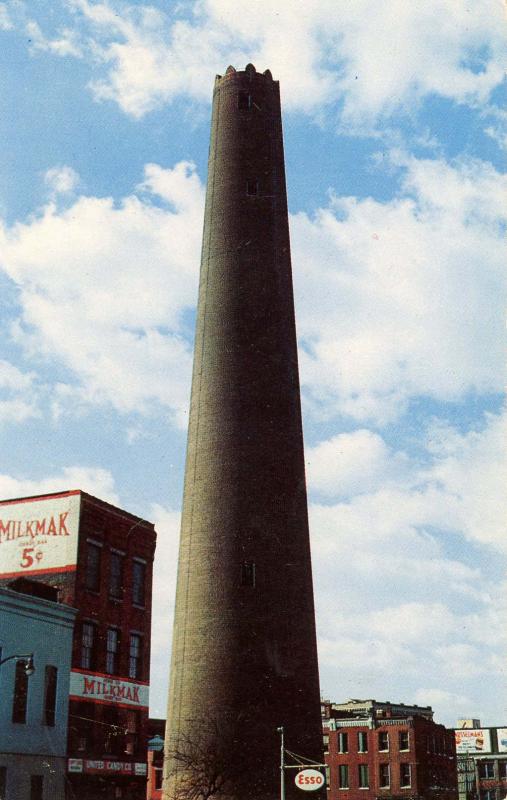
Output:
x=394 y=141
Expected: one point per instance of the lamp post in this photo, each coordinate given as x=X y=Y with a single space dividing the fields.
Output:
x=29 y=666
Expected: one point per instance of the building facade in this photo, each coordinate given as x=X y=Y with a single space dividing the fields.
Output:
x=34 y=707
x=482 y=761
x=99 y=558
x=378 y=753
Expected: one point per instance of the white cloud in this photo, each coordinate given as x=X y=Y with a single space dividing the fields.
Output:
x=94 y=480
x=61 y=180
x=18 y=394
x=103 y=287
x=439 y=698
x=65 y=44
x=392 y=297
x=373 y=61
x=397 y=591
x=352 y=463
x=6 y=23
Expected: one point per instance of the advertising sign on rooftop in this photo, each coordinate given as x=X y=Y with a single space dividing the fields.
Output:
x=473 y=740
x=502 y=739
x=39 y=535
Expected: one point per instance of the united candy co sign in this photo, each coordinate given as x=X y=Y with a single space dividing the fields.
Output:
x=99 y=767
x=38 y=536
x=103 y=689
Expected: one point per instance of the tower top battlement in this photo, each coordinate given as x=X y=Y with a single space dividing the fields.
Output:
x=249 y=70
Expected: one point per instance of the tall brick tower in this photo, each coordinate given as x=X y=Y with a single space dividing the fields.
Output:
x=244 y=657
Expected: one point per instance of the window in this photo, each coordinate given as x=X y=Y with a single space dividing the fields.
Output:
x=404 y=775
x=384 y=776
x=83 y=732
x=138 y=582
x=383 y=740
x=244 y=101
x=88 y=645
x=159 y=776
x=252 y=187
x=404 y=740
x=486 y=769
x=343 y=776
x=112 y=647
x=92 y=576
x=50 y=684
x=248 y=573
x=113 y=731
x=20 y=697
x=133 y=732
x=363 y=776
x=116 y=575
x=343 y=742
x=502 y=769
x=36 y=787
x=135 y=655
x=325 y=741
x=362 y=742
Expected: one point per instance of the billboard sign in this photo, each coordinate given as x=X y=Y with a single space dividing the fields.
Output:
x=39 y=535
x=473 y=740
x=99 y=688
x=502 y=739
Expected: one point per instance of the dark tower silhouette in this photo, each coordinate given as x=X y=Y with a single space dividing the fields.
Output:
x=244 y=657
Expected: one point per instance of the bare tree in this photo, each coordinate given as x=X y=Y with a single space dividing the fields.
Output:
x=202 y=765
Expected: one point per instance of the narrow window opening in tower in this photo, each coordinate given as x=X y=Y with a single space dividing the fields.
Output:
x=244 y=101
x=248 y=573
x=252 y=187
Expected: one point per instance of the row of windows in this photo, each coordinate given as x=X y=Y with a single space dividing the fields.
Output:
x=382 y=742
x=363 y=776
x=487 y=769
x=20 y=695
x=115 y=732
x=436 y=744
x=90 y=646
x=93 y=574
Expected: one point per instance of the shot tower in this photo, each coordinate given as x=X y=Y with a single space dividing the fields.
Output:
x=244 y=657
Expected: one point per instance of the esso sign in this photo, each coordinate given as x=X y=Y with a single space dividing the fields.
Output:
x=309 y=780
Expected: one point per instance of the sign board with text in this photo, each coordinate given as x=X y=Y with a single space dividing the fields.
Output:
x=309 y=780
x=502 y=739
x=39 y=535
x=99 y=688
x=473 y=740
x=105 y=766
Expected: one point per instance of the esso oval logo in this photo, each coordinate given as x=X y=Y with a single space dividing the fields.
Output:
x=309 y=780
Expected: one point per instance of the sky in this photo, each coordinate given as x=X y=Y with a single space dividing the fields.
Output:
x=395 y=129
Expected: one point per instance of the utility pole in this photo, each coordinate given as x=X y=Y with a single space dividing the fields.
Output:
x=282 y=763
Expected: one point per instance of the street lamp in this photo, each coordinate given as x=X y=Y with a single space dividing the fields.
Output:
x=29 y=665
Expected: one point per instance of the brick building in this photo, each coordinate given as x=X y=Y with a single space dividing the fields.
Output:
x=100 y=559
x=384 y=750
